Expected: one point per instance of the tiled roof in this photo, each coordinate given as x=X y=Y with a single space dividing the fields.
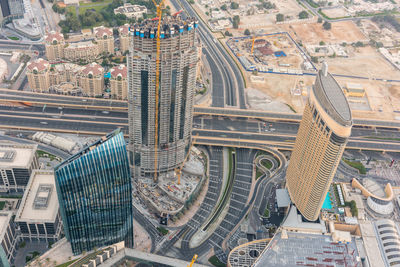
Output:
x=121 y=70
x=39 y=64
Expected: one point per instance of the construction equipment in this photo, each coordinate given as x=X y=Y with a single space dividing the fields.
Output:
x=177 y=13
x=178 y=171
x=159 y=14
x=252 y=45
x=193 y=260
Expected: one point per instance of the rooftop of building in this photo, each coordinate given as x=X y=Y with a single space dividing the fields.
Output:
x=170 y=26
x=124 y=29
x=294 y=221
x=16 y=155
x=39 y=65
x=331 y=97
x=387 y=233
x=300 y=249
x=282 y=197
x=53 y=35
x=120 y=70
x=80 y=45
x=129 y=8
x=68 y=66
x=89 y=148
x=5 y=217
x=102 y=31
x=39 y=203
x=94 y=69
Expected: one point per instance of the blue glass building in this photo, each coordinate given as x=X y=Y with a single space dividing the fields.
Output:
x=95 y=195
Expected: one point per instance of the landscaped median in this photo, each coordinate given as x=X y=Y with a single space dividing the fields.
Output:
x=357 y=165
x=227 y=190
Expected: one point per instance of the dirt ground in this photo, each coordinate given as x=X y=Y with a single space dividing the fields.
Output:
x=335 y=12
x=363 y=61
x=313 y=33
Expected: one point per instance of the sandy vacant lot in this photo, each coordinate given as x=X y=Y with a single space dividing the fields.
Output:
x=364 y=61
x=313 y=33
x=336 y=12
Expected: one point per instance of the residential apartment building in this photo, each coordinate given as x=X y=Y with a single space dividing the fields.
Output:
x=119 y=82
x=38 y=218
x=320 y=142
x=131 y=11
x=54 y=44
x=177 y=84
x=16 y=164
x=123 y=32
x=95 y=195
x=104 y=39
x=91 y=80
x=86 y=50
x=37 y=72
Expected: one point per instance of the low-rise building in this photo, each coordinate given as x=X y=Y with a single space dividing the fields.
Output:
x=104 y=39
x=354 y=90
x=16 y=164
x=91 y=80
x=87 y=50
x=38 y=218
x=54 y=44
x=119 y=82
x=124 y=38
x=38 y=75
x=131 y=11
x=8 y=239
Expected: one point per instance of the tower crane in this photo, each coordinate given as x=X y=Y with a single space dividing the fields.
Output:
x=158 y=44
x=178 y=171
x=193 y=260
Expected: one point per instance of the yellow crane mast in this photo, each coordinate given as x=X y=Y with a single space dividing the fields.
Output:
x=159 y=14
x=193 y=260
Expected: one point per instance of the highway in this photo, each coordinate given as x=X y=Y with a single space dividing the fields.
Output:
x=228 y=84
x=212 y=130
x=83 y=105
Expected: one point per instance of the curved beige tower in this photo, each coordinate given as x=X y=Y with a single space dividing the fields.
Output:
x=320 y=142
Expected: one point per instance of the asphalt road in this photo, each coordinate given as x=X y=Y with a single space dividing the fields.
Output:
x=221 y=63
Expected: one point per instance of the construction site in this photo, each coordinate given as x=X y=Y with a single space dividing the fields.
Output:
x=175 y=188
x=276 y=52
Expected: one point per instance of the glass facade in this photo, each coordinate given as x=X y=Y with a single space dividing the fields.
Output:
x=95 y=195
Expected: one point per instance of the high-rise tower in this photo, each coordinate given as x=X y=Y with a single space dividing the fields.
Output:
x=320 y=142
x=95 y=195
x=177 y=72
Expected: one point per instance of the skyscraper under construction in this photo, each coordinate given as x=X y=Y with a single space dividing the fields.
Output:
x=320 y=142
x=177 y=76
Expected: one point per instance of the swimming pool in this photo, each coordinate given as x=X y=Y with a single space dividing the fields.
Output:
x=327 y=202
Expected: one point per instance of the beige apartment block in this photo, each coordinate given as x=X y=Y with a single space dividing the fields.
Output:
x=38 y=75
x=54 y=44
x=91 y=80
x=104 y=39
x=86 y=50
x=320 y=142
x=119 y=82
x=124 y=38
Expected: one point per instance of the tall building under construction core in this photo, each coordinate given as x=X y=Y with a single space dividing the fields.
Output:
x=177 y=71
x=320 y=142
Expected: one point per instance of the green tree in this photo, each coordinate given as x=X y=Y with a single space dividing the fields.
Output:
x=319 y=20
x=321 y=43
x=327 y=25
x=303 y=15
x=236 y=21
x=224 y=7
x=280 y=17
x=246 y=32
x=234 y=5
